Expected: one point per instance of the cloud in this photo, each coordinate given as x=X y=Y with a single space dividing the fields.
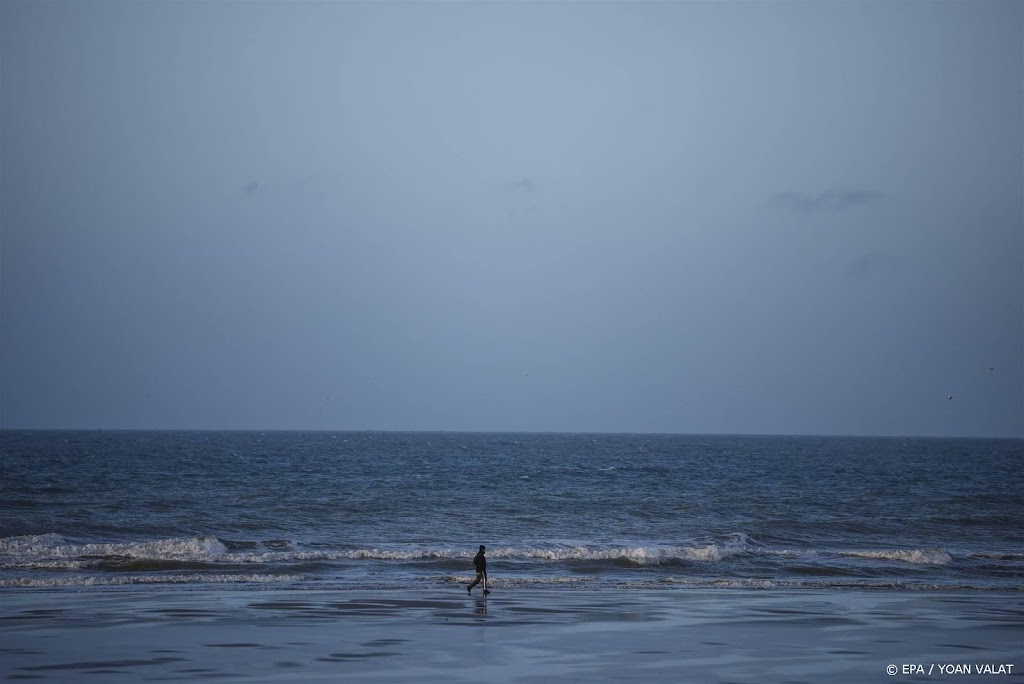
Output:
x=306 y=186
x=523 y=184
x=830 y=200
x=522 y=193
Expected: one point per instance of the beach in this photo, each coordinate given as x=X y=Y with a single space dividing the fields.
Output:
x=513 y=636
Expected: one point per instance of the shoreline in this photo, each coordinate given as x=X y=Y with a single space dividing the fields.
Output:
x=591 y=635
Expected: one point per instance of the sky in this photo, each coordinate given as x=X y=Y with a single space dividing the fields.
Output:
x=688 y=217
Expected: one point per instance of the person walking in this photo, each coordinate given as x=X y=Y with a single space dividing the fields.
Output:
x=480 y=563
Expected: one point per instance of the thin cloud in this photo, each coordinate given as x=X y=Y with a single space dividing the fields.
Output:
x=306 y=185
x=829 y=200
x=522 y=198
x=523 y=184
x=250 y=189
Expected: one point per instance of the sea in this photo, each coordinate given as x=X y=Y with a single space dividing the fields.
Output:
x=103 y=510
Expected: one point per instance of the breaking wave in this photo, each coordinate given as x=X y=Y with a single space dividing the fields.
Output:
x=642 y=555
x=916 y=556
x=52 y=551
x=732 y=561
x=55 y=547
x=121 y=580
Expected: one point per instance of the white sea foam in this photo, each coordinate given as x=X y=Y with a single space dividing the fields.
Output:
x=641 y=555
x=751 y=583
x=731 y=583
x=356 y=554
x=756 y=583
x=43 y=565
x=29 y=544
x=54 y=551
x=119 y=580
x=163 y=549
x=916 y=556
x=507 y=582
x=414 y=554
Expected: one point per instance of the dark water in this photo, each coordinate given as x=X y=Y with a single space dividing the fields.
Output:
x=407 y=510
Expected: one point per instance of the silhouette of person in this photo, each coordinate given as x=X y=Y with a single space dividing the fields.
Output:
x=480 y=563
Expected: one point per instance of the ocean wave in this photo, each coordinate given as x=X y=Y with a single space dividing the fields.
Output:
x=756 y=583
x=703 y=583
x=916 y=556
x=998 y=556
x=640 y=555
x=788 y=553
x=520 y=582
x=643 y=555
x=44 y=565
x=29 y=543
x=634 y=555
x=120 y=580
x=53 y=547
x=55 y=552
x=409 y=555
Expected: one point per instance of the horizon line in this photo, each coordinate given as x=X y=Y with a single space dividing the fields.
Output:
x=517 y=432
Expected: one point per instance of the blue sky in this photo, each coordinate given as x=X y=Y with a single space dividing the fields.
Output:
x=776 y=217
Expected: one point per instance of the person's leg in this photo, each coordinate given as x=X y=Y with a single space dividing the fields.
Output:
x=479 y=576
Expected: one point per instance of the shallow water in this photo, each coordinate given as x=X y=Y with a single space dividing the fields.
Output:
x=609 y=635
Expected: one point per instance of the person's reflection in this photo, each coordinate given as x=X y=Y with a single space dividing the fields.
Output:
x=481 y=606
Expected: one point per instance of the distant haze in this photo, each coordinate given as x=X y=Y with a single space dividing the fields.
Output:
x=772 y=217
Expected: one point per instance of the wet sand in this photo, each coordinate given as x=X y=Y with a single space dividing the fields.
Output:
x=513 y=636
